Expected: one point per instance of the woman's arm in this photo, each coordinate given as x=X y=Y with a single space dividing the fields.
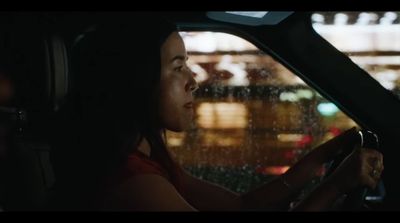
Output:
x=150 y=192
x=274 y=195
x=354 y=171
x=147 y=192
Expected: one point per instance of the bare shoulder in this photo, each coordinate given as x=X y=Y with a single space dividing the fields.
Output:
x=147 y=192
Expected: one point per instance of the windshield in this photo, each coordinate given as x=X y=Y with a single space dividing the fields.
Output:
x=254 y=118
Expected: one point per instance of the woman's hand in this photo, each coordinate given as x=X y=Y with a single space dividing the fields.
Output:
x=363 y=167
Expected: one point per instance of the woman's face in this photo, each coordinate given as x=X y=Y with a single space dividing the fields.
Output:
x=176 y=85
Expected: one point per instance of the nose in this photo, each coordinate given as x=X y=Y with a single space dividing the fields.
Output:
x=194 y=87
x=191 y=85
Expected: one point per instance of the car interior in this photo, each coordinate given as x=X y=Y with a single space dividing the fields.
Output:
x=35 y=55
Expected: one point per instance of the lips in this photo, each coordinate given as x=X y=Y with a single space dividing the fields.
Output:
x=188 y=105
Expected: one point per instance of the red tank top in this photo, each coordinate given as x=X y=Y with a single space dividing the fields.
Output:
x=138 y=163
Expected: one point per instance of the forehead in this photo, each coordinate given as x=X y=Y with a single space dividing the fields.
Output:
x=173 y=46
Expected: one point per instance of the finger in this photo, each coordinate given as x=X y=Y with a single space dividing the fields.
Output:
x=380 y=156
x=376 y=160
x=373 y=167
x=374 y=173
x=367 y=159
x=380 y=166
x=370 y=181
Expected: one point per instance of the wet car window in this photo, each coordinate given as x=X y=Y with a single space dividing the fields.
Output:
x=370 y=39
x=253 y=117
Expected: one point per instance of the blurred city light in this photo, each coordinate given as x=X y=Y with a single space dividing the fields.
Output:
x=290 y=137
x=273 y=170
x=327 y=108
x=222 y=115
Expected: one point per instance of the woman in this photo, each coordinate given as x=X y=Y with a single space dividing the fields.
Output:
x=133 y=83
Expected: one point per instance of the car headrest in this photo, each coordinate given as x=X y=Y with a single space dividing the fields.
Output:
x=57 y=70
x=38 y=63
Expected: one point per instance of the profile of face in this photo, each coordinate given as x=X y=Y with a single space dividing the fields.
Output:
x=176 y=85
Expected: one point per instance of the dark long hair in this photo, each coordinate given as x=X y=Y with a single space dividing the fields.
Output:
x=112 y=107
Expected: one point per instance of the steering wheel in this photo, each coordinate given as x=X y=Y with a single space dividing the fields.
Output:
x=355 y=199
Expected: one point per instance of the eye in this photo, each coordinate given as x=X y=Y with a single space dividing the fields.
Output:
x=178 y=69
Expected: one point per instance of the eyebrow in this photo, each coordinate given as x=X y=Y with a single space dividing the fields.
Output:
x=179 y=57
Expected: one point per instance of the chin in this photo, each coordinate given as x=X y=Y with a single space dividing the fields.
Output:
x=179 y=128
x=176 y=129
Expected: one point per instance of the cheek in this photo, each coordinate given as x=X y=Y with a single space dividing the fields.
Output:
x=171 y=103
x=171 y=94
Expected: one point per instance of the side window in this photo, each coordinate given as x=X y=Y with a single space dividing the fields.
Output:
x=370 y=39
x=253 y=117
